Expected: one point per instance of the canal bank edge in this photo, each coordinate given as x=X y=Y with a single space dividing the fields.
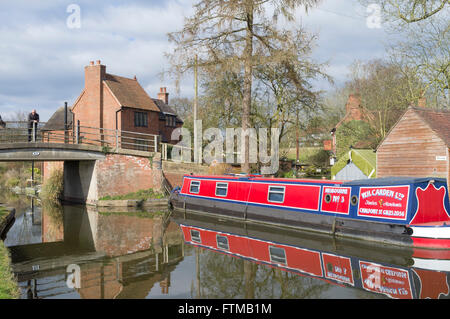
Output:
x=7 y=214
x=9 y=288
x=146 y=204
x=8 y=284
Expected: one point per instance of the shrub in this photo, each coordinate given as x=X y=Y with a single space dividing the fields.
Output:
x=12 y=182
x=53 y=186
x=219 y=168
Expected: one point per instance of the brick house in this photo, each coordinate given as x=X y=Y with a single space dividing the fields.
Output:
x=418 y=145
x=353 y=112
x=113 y=102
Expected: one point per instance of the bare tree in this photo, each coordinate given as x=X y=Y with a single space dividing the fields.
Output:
x=424 y=29
x=411 y=11
x=237 y=34
x=385 y=91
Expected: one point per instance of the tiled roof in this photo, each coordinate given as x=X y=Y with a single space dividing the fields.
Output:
x=130 y=93
x=437 y=120
x=166 y=109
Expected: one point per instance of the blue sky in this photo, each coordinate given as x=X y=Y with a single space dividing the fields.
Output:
x=42 y=59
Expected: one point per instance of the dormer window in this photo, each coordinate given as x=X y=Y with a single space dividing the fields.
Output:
x=170 y=121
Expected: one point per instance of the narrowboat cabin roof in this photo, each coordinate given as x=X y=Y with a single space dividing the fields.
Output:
x=386 y=181
x=267 y=179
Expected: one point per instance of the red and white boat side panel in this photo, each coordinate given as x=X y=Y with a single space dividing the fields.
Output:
x=431 y=236
x=305 y=195
x=432 y=264
x=437 y=232
x=336 y=200
x=431 y=221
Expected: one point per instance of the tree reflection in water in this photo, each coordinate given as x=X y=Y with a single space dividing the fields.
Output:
x=226 y=277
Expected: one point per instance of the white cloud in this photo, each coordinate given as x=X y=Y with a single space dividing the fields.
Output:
x=43 y=60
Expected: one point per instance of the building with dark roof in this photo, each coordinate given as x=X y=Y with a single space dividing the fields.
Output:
x=113 y=102
x=56 y=121
x=417 y=145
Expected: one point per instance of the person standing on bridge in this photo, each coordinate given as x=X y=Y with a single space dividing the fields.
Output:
x=2 y=124
x=33 y=120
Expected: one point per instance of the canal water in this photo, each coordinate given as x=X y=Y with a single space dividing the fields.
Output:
x=70 y=251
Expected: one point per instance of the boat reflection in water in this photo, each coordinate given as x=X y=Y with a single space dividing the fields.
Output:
x=399 y=273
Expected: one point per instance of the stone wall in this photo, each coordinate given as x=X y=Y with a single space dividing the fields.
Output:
x=174 y=172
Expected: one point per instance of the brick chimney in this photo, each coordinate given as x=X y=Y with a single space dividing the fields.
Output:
x=353 y=107
x=163 y=95
x=422 y=102
x=94 y=74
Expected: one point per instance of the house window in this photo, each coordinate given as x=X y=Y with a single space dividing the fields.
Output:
x=277 y=255
x=221 y=189
x=170 y=121
x=140 y=119
x=276 y=194
x=195 y=236
x=222 y=242
x=194 y=187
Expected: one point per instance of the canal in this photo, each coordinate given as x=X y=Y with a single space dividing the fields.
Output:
x=71 y=251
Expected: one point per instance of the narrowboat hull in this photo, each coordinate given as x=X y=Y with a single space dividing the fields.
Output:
x=404 y=212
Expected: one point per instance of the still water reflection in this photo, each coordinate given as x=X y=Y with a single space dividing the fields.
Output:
x=67 y=251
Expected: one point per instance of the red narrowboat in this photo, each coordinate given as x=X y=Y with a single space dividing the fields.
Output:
x=400 y=211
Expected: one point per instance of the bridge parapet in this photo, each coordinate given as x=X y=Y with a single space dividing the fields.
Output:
x=17 y=138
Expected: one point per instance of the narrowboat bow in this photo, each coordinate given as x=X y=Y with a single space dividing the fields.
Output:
x=401 y=211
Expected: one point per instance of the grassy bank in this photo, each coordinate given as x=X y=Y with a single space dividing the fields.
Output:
x=8 y=284
x=4 y=217
x=139 y=195
x=3 y=214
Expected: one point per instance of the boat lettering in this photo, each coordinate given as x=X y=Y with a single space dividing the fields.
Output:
x=336 y=199
x=336 y=190
x=393 y=282
x=382 y=192
x=384 y=202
